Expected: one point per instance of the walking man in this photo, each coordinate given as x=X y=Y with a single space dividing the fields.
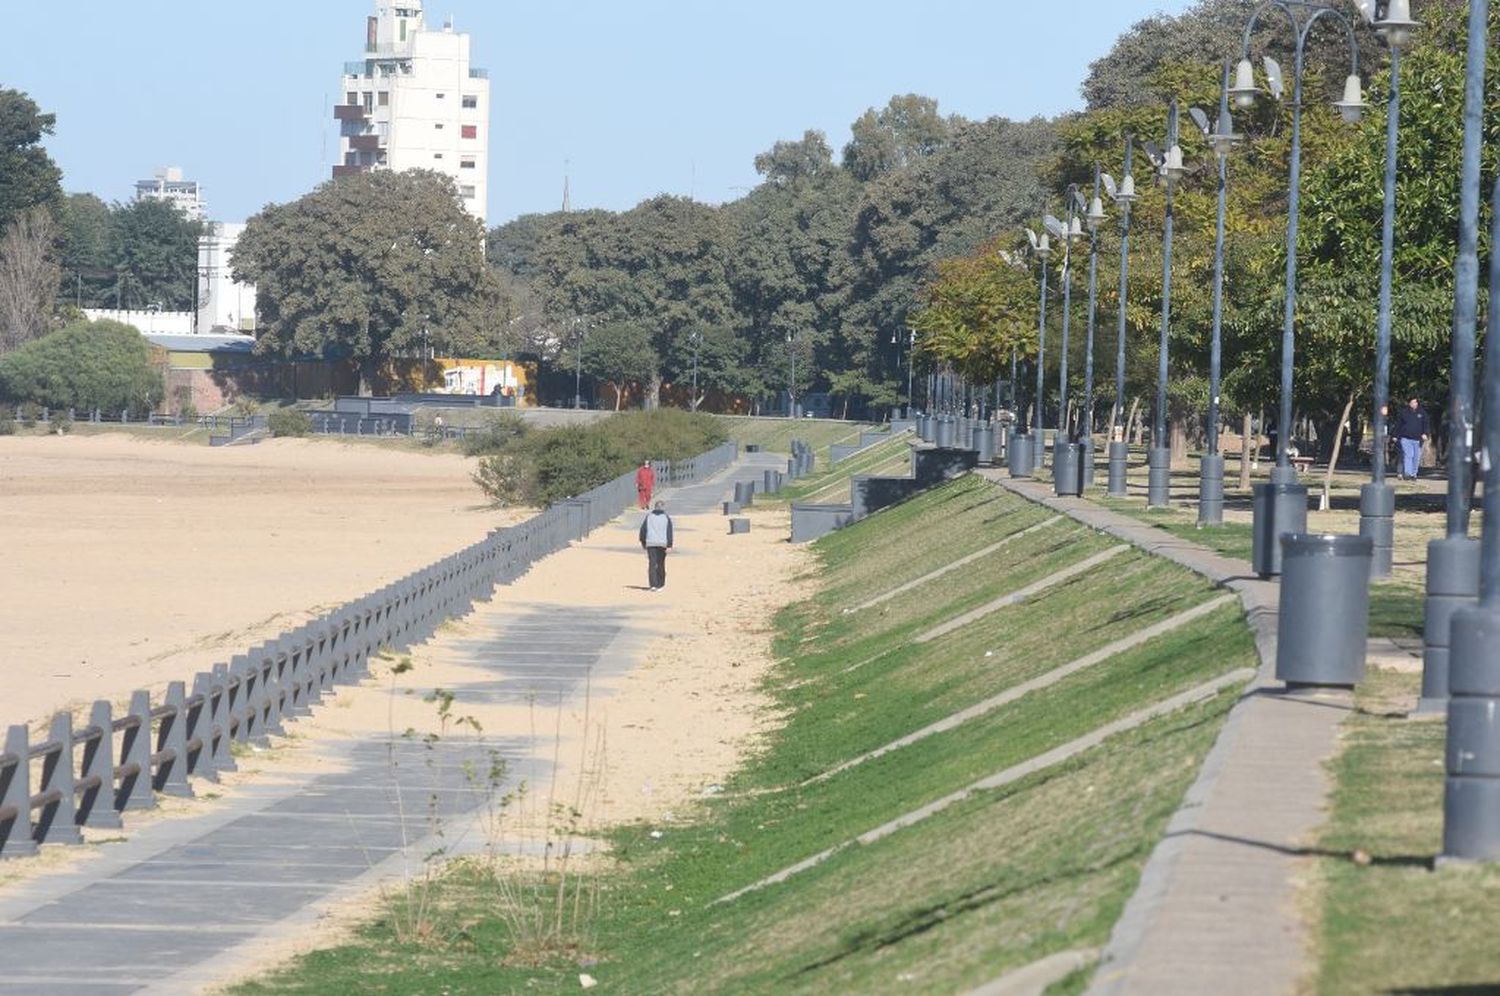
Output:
x=656 y=538
x=1412 y=430
x=645 y=483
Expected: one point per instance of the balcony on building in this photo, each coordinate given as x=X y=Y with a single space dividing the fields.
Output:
x=343 y=170
x=360 y=68
x=350 y=112
x=364 y=143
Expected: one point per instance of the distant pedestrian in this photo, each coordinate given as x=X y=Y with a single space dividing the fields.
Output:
x=656 y=538
x=645 y=483
x=1412 y=430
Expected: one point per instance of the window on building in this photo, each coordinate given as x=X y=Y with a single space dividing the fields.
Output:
x=351 y=98
x=466 y=164
x=403 y=30
x=470 y=131
x=369 y=100
x=466 y=191
x=438 y=126
x=471 y=101
x=441 y=96
x=384 y=98
x=437 y=155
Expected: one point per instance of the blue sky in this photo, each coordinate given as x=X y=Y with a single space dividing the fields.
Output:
x=636 y=98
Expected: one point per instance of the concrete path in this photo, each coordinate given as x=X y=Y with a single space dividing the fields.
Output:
x=1216 y=908
x=183 y=901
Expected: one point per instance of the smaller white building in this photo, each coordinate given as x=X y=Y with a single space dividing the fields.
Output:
x=168 y=185
x=223 y=304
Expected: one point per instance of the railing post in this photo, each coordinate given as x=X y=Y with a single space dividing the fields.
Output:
x=170 y=777
x=220 y=718
x=273 y=694
x=58 y=821
x=15 y=796
x=200 y=728
x=134 y=791
x=98 y=771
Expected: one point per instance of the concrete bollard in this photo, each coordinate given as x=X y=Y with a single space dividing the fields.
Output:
x=1324 y=613
x=1278 y=509
x=1452 y=584
x=731 y=508
x=96 y=807
x=1377 y=520
x=1211 y=490
x=768 y=482
x=1471 y=797
x=737 y=526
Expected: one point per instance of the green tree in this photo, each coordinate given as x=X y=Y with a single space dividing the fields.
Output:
x=154 y=250
x=621 y=353
x=28 y=176
x=87 y=253
x=85 y=365
x=906 y=129
x=368 y=267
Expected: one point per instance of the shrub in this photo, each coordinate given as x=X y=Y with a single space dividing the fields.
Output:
x=289 y=422
x=572 y=459
x=61 y=423
x=7 y=423
x=86 y=365
x=506 y=478
x=30 y=412
x=498 y=435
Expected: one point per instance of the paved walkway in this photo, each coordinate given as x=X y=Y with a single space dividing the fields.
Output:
x=184 y=899
x=1215 y=911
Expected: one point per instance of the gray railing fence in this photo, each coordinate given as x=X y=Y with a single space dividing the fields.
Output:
x=89 y=775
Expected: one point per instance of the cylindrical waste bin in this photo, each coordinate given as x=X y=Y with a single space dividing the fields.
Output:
x=925 y=429
x=1278 y=509
x=1065 y=471
x=1118 y=454
x=1324 y=614
x=984 y=442
x=1018 y=455
x=944 y=435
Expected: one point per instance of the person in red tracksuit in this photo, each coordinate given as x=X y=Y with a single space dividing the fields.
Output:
x=645 y=483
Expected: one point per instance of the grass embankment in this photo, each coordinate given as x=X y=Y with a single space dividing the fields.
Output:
x=1006 y=876
x=829 y=482
x=775 y=435
x=1388 y=921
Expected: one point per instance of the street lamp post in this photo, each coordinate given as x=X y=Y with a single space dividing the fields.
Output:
x=1453 y=562
x=1094 y=219
x=696 y=338
x=1211 y=467
x=578 y=366
x=1065 y=469
x=1282 y=506
x=1159 y=460
x=1042 y=247
x=1377 y=501
x=791 y=389
x=911 y=343
x=1119 y=449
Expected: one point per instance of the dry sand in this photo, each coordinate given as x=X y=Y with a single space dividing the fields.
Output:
x=130 y=562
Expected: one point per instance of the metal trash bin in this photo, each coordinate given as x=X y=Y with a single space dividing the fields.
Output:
x=1278 y=509
x=944 y=433
x=1018 y=455
x=984 y=442
x=1066 y=474
x=926 y=430
x=1324 y=613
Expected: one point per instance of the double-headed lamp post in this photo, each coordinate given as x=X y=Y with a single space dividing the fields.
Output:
x=1064 y=450
x=1093 y=220
x=1159 y=480
x=578 y=364
x=1043 y=248
x=1284 y=508
x=791 y=389
x=911 y=345
x=1119 y=448
x=1211 y=468
x=1377 y=502
x=696 y=337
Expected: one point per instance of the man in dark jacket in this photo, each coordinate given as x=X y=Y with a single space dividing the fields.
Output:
x=1412 y=430
x=656 y=538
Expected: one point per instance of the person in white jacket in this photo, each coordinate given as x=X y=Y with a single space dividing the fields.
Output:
x=656 y=538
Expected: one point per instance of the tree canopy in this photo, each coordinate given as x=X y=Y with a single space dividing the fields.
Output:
x=28 y=176
x=85 y=365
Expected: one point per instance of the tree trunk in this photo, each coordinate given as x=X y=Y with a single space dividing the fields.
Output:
x=653 y=394
x=1132 y=423
x=619 y=394
x=1333 y=459
x=1177 y=439
x=1245 y=429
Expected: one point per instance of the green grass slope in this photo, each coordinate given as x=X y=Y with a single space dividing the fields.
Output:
x=776 y=434
x=992 y=883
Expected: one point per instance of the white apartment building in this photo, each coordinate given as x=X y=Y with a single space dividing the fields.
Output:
x=223 y=304
x=414 y=102
x=168 y=185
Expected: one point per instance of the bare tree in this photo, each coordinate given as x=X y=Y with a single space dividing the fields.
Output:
x=29 y=277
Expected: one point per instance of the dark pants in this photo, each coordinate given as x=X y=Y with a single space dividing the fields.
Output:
x=656 y=566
